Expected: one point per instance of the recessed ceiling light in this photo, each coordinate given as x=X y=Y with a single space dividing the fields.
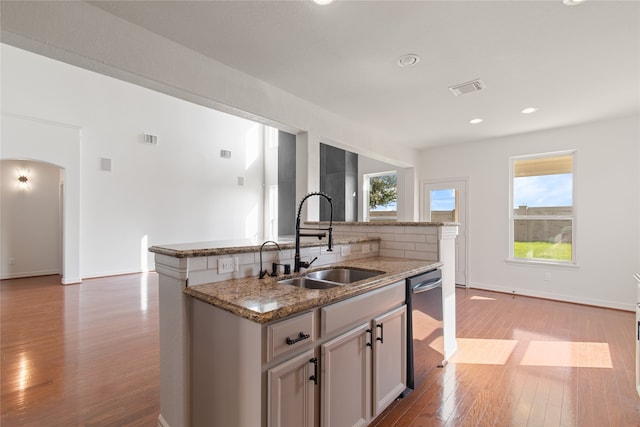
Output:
x=475 y=121
x=322 y=2
x=408 y=60
x=529 y=110
x=572 y=2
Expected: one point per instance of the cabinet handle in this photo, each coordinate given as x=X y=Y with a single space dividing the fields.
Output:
x=381 y=337
x=638 y=331
x=314 y=377
x=370 y=332
x=301 y=336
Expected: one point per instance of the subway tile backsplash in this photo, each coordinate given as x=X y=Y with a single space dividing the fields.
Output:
x=415 y=242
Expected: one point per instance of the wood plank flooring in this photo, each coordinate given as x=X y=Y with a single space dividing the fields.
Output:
x=80 y=355
x=528 y=362
x=87 y=355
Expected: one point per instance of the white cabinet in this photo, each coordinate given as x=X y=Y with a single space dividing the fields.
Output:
x=364 y=370
x=247 y=374
x=289 y=335
x=291 y=389
x=346 y=379
x=390 y=356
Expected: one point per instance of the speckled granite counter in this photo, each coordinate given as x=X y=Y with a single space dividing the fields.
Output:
x=266 y=300
x=225 y=247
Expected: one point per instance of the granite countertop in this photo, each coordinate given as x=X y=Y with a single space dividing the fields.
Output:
x=225 y=247
x=265 y=300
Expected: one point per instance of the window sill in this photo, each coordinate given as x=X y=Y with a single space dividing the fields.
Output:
x=543 y=263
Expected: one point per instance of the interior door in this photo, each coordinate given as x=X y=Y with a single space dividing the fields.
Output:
x=446 y=201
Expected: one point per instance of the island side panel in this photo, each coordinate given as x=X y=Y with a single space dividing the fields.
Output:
x=226 y=376
x=175 y=342
x=447 y=255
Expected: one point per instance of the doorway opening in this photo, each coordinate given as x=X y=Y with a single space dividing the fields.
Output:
x=32 y=212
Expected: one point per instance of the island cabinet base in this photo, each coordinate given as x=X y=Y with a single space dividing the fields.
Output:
x=341 y=364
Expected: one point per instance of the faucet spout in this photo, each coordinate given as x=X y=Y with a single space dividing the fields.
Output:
x=265 y=272
x=319 y=233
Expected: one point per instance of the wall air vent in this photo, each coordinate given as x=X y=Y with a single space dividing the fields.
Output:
x=150 y=139
x=468 y=87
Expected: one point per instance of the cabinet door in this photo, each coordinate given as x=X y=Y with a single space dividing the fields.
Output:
x=346 y=379
x=390 y=357
x=291 y=392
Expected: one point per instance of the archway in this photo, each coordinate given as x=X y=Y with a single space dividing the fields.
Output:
x=31 y=227
x=58 y=144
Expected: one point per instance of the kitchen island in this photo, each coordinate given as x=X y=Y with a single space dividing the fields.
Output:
x=214 y=324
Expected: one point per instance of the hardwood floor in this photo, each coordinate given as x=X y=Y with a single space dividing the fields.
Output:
x=88 y=355
x=80 y=355
x=528 y=362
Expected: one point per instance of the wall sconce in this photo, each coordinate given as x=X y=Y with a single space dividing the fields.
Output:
x=23 y=179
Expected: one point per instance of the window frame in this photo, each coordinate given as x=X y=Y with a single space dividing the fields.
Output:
x=573 y=217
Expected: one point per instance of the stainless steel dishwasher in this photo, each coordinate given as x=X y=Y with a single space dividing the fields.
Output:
x=425 y=347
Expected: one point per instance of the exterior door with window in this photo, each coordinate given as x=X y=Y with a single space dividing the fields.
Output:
x=446 y=201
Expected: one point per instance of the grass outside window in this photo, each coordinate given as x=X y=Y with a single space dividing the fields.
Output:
x=542 y=250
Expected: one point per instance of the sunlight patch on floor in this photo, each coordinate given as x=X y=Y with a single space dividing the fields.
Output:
x=568 y=354
x=479 y=298
x=483 y=351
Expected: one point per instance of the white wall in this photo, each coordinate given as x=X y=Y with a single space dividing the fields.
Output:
x=68 y=31
x=31 y=226
x=179 y=190
x=607 y=202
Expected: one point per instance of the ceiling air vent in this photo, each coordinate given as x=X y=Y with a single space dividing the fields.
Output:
x=468 y=87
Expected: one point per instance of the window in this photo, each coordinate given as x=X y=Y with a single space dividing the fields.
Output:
x=381 y=190
x=542 y=207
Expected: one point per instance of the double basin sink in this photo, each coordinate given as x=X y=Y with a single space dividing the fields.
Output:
x=330 y=278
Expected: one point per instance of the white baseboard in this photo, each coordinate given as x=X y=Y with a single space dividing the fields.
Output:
x=112 y=273
x=29 y=274
x=71 y=280
x=554 y=296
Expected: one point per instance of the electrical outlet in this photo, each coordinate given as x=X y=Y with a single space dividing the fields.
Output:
x=547 y=276
x=12 y=261
x=366 y=249
x=346 y=250
x=227 y=265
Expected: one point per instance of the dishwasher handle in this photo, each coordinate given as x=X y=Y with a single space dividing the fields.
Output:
x=427 y=286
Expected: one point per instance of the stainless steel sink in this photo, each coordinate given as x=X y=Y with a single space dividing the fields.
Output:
x=330 y=278
x=342 y=275
x=305 y=282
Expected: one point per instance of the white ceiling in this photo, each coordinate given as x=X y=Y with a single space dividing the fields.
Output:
x=577 y=64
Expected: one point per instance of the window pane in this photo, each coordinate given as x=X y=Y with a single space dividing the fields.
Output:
x=544 y=191
x=543 y=188
x=543 y=239
x=443 y=205
x=383 y=197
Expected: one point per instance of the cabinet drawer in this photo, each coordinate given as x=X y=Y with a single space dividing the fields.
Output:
x=341 y=315
x=290 y=334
